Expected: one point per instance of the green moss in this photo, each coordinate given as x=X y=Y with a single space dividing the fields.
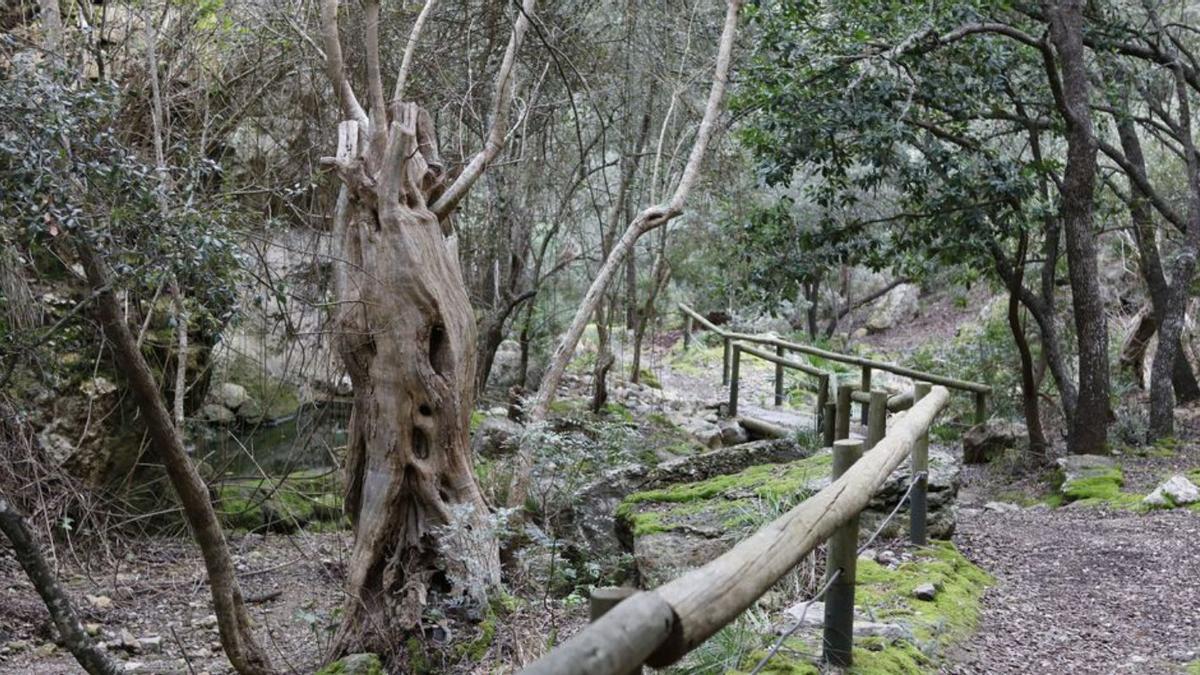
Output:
x=477 y=418
x=1102 y=488
x=277 y=397
x=476 y=649
x=618 y=411
x=286 y=503
x=648 y=378
x=886 y=594
x=417 y=662
x=1193 y=668
x=735 y=500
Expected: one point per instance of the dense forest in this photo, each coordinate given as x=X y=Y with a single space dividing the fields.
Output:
x=481 y=336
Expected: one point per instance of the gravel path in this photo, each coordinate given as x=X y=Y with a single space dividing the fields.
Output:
x=1083 y=590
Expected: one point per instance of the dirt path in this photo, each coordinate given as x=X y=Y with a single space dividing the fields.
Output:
x=1082 y=590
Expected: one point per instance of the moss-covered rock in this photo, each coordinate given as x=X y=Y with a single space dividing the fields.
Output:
x=281 y=504
x=1091 y=480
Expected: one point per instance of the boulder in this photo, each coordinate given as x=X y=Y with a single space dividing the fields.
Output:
x=984 y=442
x=590 y=522
x=230 y=395
x=733 y=433
x=899 y=304
x=1079 y=467
x=1175 y=491
x=215 y=413
x=497 y=437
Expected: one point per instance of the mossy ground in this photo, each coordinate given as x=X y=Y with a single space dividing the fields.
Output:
x=284 y=504
x=886 y=594
x=744 y=499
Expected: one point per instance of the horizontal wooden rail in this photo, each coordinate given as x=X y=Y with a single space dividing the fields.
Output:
x=848 y=359
x=659 y=627
x=783 y=361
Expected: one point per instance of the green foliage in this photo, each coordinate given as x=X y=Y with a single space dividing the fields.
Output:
x=354 y=664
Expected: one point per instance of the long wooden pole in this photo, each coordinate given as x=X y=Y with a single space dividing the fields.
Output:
x=920 y=468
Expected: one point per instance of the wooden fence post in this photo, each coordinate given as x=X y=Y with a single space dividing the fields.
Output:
x=822 y=399
x=687 y=330
x=876 y=418
x=779 y=377
x=605 y=598
x=733 y=381
x=842 y=428
x=725 y=362
x=980 y=407
x=866 y=387
x=827 y=424
x=841 y=559
x=920 y=467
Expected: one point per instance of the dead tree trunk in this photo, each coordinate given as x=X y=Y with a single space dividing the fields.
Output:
x=406 y=333
x=232 y=619
x=647 y=220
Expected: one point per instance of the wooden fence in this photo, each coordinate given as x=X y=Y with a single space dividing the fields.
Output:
x=660 y=626
x=867 y=366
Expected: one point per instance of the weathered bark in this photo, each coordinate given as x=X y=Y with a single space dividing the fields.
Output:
x=1088 y=432
x=647 y=220
x=1137 y=342
x=232 y=619
x=1162 y=398
x=58 y=603
x=1183 y=379
x=1038 y=447
x=406 y=333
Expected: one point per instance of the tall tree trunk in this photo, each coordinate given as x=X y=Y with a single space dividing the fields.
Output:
x=406 y=331
x=1183 y=379
x=233 y=621
x=1088 y=432
x=1038 y=446
x=647 y=220
x=1162 y=399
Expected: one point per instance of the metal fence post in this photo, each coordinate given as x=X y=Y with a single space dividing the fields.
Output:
x=842 y=428
x=605 y=598
x=876 y=418
x=920 y=467
x=733 y=381
x=779 y=377
x=866 y=387
x=842 y=559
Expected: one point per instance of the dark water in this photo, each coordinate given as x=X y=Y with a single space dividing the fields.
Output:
x=312 y=438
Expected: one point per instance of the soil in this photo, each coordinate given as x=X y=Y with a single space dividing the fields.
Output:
x=1080 y=590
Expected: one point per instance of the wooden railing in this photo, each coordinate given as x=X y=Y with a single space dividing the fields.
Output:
x=867 y=366
x=660 y=626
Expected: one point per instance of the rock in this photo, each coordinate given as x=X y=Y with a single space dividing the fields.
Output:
x=661 y=556
x=984 y=442
x=708 y=436
x=1175 y=491
x=885 y=558
x=100 y=601
x=150 y=643
x=506 y=367
x=497 y=437
x=733 y=433
x=1078 y=467
x=1001 y=507
x=209 y=621
x=807 y=613
x=590 y=521
x=92 y=629
x=215 y=413
x=230 y=395
x=133 y=667
x=250 y=411
x=97 y=387
x=812 y=615
x=899 y=304
x=127 y=642
x=925 y=591
x=58 y=447
x=45 y=649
